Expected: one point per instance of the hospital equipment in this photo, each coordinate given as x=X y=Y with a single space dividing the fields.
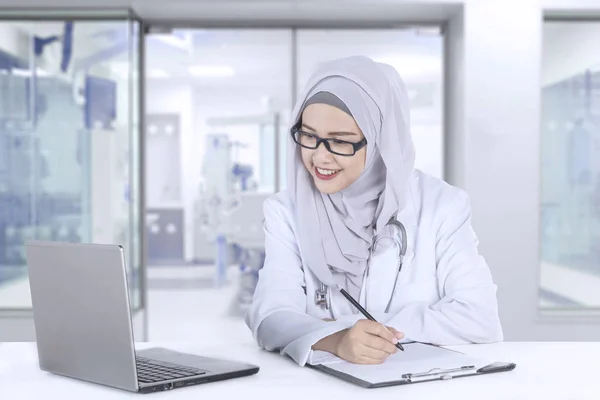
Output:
x=56 y=133
x=239 y=172
x=246 y=223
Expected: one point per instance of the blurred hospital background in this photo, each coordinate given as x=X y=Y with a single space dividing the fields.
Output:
x=164 y=127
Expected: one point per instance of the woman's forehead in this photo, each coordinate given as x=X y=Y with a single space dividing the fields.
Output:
x=323 y=117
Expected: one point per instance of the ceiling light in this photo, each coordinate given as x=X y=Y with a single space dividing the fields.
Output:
x=182 y=41
x=212 y=71
x=27 y=72
x=157 y=73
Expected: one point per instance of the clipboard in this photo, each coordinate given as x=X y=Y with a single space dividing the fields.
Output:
x=437 y=363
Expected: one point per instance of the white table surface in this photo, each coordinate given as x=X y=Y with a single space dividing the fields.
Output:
x=544 y=371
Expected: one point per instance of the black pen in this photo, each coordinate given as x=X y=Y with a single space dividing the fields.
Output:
x=363 y=311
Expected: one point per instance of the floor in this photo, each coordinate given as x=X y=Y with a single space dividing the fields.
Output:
x=184 y=305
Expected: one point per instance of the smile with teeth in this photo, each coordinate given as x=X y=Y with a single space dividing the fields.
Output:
x=323 y=171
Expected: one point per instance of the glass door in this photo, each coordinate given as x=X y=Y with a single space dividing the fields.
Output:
x=69 y=139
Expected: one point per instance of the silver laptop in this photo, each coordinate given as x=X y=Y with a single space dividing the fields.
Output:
x=83 y=324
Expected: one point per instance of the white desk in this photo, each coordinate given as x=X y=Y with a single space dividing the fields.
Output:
x=544 y=371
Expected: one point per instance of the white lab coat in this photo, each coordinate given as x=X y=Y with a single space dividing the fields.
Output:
x=444 y=295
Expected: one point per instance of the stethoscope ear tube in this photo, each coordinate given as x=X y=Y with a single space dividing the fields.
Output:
x=395 y=222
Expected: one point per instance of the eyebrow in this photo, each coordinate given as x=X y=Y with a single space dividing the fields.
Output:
x=340 y=133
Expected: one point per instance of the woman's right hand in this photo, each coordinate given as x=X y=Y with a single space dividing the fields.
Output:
x=368 y=342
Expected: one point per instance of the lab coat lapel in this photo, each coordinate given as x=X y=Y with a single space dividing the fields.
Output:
x=383 y=267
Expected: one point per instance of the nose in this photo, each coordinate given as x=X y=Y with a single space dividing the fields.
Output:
x=322 y=154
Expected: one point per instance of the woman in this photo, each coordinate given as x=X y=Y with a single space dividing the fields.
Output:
x=351 y=176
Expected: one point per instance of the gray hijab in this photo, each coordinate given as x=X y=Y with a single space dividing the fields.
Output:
x=335 y=231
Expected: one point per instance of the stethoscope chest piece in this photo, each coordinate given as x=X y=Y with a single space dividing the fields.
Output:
x=321 y=296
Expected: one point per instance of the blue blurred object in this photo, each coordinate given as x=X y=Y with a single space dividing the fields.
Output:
x=40 y=43
x=67 y=46
x=243 y=173
x=100 y=102
x=221 y=261
x=8 y=61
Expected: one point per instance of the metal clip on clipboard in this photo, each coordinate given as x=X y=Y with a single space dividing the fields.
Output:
x=439 y=373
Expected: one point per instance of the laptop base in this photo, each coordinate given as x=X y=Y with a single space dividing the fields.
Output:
x=213 y=369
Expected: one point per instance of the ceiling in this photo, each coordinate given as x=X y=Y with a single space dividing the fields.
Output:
x=417 y=56
x=202 y=12
x=260 y=60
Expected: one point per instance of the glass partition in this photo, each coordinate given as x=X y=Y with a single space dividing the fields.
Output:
x=570 y=192
x=69 y=141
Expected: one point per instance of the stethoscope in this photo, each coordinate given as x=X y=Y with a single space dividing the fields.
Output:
x=393 y=229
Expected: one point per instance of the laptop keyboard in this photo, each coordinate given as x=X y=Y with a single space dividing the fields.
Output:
x=149 y=371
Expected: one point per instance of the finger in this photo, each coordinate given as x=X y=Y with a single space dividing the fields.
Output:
x=371 y=352
x=377 y=329
x=366 y=360
x=376 y=342
x=399 y=335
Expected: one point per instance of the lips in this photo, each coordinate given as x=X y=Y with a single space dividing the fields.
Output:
x=326 y=174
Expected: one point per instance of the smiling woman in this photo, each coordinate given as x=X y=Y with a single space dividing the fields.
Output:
x=339 y=162
x=351 y=175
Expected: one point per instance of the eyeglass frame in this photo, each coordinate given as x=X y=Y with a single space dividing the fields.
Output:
x=355 y=146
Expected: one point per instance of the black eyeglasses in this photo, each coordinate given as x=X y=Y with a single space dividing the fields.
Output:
x=335 y=146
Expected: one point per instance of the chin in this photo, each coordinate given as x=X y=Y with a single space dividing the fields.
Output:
x=326 y=187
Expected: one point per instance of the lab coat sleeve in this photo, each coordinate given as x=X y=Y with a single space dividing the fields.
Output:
x=277 y=316
x=468 y=310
